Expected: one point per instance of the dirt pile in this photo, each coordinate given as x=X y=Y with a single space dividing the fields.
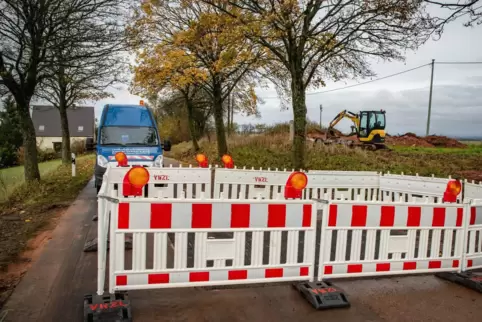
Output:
x=471 y=175
x=431 y=141
x=443 y=141
x=408 y=139
x=321 y=134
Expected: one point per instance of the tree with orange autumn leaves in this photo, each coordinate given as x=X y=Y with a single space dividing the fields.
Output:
x=187 y=47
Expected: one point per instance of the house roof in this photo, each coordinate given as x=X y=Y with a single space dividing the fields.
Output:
x=46 y=120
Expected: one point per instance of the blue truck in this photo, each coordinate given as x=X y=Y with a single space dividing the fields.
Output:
x=131 y=129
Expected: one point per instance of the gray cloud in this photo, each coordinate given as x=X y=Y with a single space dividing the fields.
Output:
x=456 y=109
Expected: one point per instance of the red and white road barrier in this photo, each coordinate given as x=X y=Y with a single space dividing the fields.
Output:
x=473 y=251
x=267 y=221
x=168 y=182
x=396 y=187
x=219 y=261
x=379 y=238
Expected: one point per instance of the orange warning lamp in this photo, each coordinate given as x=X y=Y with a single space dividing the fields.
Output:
x=121 y=159
x=202 y=160
x=228 y=161
x=295 y=185
x=135 y=179
x=141 y=103
x=454 y=187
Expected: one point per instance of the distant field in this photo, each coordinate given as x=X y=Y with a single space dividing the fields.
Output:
x=472 y=142
x=274 y=151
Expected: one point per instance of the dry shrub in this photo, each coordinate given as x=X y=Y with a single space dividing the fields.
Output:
x=78 y=147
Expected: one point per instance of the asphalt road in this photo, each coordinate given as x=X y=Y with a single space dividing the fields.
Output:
x=53 y=290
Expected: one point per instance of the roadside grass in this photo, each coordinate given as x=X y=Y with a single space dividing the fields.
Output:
x=274 y=151
x=11 y=178
x=30 y=208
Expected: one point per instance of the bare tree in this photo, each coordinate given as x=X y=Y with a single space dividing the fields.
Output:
x=31 y=33
x=470 y=10
x=88 y=64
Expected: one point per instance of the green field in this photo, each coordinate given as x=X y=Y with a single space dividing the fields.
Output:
x=274 y=151
x=12 y=178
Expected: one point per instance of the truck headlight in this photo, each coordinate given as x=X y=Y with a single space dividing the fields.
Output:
x=102 y=161
x=158 y=161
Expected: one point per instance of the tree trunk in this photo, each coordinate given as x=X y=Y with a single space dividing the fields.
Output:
x=231 y=128
x=228 y=104
x=192 y=127
x=64 y=123
x=219 y=119
x=29 y=142
x=299 y=117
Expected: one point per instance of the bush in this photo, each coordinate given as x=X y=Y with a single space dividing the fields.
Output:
x=8 y=157
x=47 y=155
x=42 y=155
x=78 y=147
x=278 y=128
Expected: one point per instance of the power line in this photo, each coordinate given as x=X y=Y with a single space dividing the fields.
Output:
x=370 y=81
x=460 y=62
x=389 y=76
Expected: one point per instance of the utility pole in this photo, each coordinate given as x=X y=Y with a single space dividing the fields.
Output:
x=430 y=100
x=321 y=111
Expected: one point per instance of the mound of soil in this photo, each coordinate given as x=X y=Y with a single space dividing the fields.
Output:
x=443 y=141
x=471 y=175
x=411 y=139
x=408 y=139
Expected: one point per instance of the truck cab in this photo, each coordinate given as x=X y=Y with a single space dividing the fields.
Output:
x=131 y=129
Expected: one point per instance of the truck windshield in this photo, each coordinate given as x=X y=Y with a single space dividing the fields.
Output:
x=115 y=135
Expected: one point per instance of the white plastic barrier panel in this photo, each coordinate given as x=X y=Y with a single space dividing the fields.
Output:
x=380 y=238
x=394 y=187
x=249 y=184
x=251 y=251
x=348 y=185
x=472 y=191
x=473 y=257
x=166 y=182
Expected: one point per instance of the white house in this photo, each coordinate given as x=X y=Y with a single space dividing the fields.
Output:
x=46 y=120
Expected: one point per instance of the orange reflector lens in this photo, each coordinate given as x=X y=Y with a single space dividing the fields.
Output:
x=227 y=159
x=454 y=187
x=200 y=158
x=138 y=177
x=299 y=181
x=120 y=157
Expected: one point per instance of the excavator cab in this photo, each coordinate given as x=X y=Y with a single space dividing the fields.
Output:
x=371 y=127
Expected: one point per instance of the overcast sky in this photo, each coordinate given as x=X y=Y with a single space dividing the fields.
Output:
x=457 y=92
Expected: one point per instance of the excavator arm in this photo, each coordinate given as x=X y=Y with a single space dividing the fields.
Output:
x=350 y=115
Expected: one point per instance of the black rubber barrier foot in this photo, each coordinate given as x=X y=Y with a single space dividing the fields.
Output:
x=91 y=245
x=471 y=280
x=107 y=308
x=323 y=295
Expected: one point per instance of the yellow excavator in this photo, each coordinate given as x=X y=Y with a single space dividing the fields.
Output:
x=369 y=127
